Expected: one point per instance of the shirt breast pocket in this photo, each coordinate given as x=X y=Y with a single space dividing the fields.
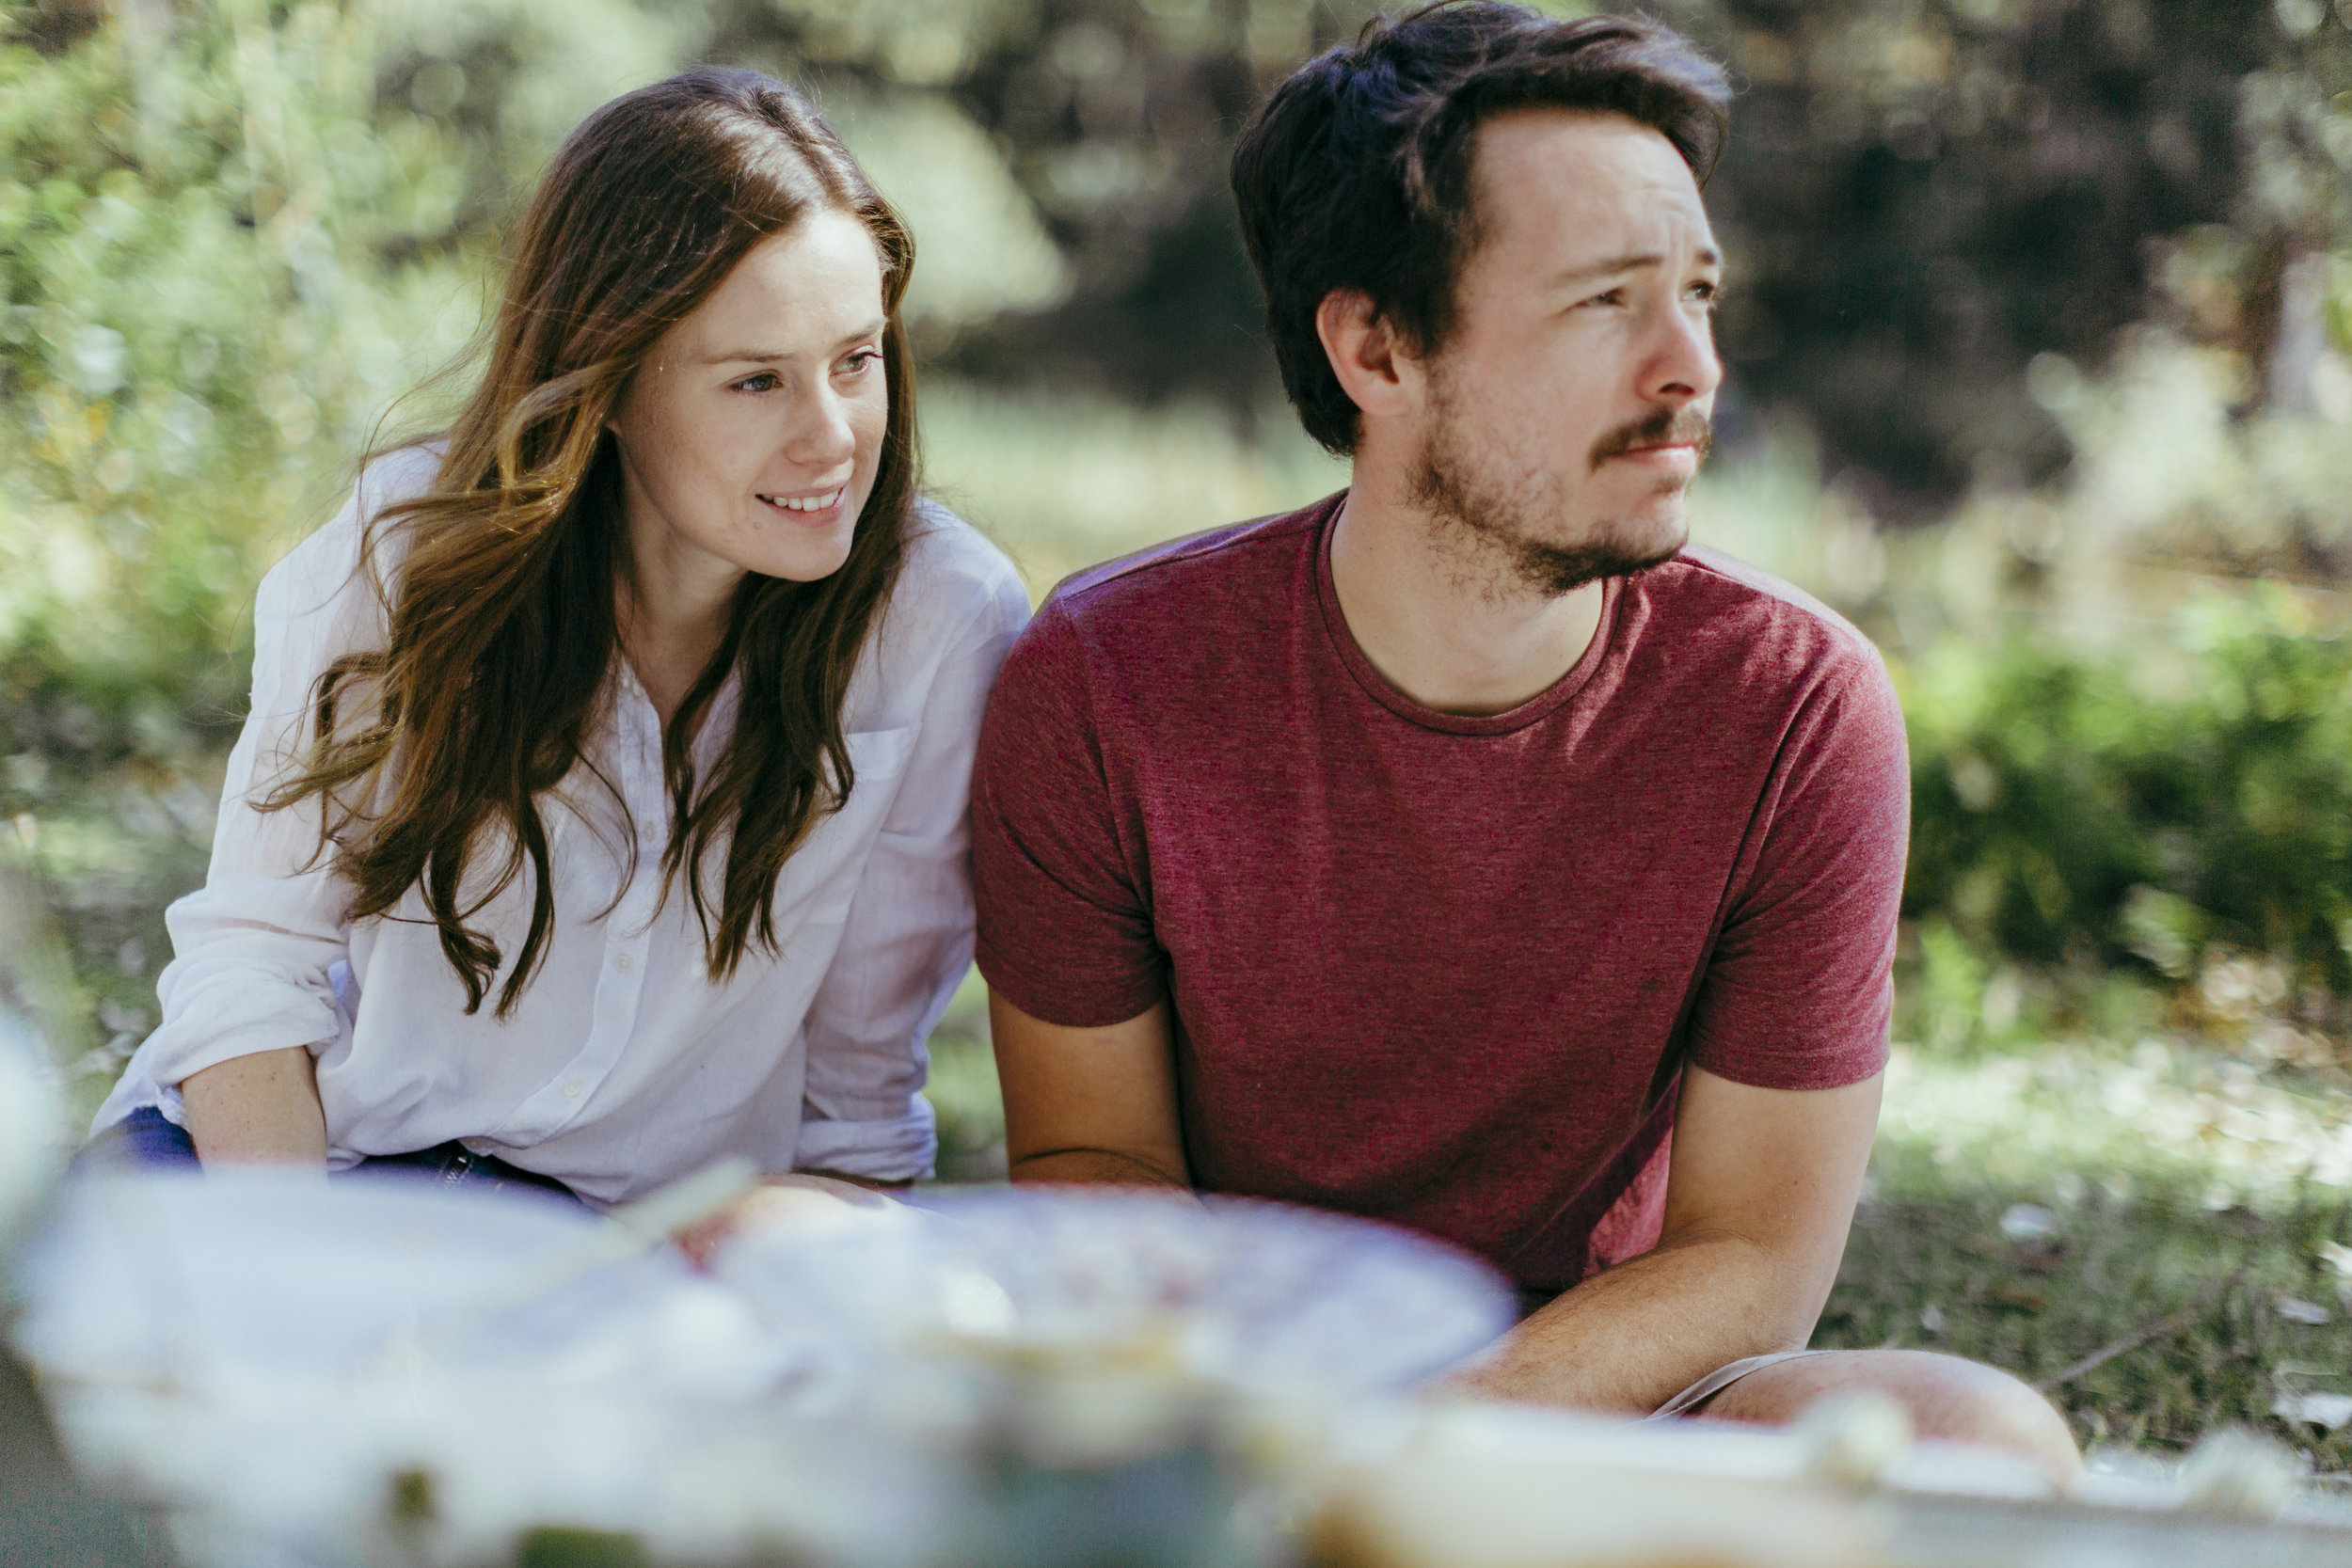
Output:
x=821 y=877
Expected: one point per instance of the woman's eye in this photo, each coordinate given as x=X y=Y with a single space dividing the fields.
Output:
x=766 y=380
x=858 y=363
x=1706 y=293
x=1615 y=296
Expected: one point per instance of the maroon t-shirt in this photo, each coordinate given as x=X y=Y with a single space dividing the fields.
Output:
x=1438 y=970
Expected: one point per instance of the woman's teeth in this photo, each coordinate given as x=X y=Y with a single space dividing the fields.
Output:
x=805 y=503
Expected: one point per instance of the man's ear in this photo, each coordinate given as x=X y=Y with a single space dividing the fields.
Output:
x=1376 y=370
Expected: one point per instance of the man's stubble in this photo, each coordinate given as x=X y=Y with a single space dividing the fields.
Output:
x=1506 y=536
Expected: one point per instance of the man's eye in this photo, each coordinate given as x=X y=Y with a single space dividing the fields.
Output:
x=1615 y=296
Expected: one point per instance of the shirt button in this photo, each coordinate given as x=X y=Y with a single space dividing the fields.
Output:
x=651 y=829
x=624 y=963
x=573 y=1090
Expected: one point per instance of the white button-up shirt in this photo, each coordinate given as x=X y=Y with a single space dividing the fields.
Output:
x=625 y=1065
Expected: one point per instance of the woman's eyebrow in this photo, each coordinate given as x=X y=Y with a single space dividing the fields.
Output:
x=759 y=356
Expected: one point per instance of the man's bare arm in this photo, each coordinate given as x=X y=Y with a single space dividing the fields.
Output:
x=1089 y=1105
x=262 y=1108
x=1762 y=1191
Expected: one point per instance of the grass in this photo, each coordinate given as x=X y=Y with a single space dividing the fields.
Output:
x=1931 y=1267
x=2167 y=1202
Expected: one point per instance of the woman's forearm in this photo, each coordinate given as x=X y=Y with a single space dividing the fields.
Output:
x=262 y=1108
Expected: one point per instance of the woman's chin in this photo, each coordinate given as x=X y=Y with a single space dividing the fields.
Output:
x=808 y=558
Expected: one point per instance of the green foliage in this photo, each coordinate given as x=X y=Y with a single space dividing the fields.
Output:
x=218 y=267
x=2114 y=806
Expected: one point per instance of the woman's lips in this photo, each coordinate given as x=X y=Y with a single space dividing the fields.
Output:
x=816 y=508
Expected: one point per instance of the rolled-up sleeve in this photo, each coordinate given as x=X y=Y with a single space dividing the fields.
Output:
x=908 y=937
x=253 y=948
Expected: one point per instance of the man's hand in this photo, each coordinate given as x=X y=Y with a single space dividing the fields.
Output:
x=262 y=1108
x=1761 y=1193
x=1089 y=1105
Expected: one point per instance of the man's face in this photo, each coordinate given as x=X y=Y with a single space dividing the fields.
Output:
x=1568 y=412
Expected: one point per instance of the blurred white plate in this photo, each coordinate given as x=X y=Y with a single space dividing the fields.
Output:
x=1258 y=1295
x=164 y=1278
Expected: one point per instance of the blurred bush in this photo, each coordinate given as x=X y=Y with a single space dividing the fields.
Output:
x=2189 y=815
x=221 y=260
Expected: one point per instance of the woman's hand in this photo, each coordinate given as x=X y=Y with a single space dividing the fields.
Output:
x=804 y=1201
x=262 y=1110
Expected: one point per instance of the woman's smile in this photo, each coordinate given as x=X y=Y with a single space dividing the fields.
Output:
x=817 y=506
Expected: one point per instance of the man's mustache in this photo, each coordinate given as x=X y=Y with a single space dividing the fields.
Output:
x=1664 y=427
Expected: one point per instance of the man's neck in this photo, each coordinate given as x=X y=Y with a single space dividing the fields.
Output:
x=1440 y=610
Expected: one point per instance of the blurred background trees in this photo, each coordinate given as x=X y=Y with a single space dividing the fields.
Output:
x=2037 y=332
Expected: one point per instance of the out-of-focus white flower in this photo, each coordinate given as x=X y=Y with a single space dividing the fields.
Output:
x=2324 y=1410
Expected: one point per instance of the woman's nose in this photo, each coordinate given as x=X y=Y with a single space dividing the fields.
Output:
x=820 y=436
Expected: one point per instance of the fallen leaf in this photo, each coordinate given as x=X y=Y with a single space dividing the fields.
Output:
x=2028 y=1222
x=2337 y=1256
x=2303 y=1311
x=2017 y=1298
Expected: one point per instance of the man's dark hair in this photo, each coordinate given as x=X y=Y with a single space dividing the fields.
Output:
x=1356 y=173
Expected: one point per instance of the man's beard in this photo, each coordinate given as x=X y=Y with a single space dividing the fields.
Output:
x=1512 y=523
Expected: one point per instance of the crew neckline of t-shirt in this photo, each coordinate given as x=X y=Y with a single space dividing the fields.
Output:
x=1541 y=706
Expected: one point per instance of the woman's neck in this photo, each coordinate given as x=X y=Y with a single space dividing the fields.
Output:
x=667 y=659
x=668 y=633
x=671 y=605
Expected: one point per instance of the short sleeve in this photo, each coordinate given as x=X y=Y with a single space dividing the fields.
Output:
x=1799 y=988
x=1065 y=929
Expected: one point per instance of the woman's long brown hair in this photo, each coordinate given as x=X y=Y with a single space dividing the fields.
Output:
x=503 y=628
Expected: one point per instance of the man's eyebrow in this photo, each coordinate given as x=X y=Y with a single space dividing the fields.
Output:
x=758 y=355
x=1706 y=256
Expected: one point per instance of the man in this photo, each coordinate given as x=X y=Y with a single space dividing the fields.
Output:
x=1464 y=851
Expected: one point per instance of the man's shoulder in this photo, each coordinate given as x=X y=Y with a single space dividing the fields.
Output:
x=1200 y=572
x=1752 y=612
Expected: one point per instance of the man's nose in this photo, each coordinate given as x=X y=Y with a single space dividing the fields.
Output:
x=1682 y=365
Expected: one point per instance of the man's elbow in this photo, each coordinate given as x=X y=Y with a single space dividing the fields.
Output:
x=1781 y=1286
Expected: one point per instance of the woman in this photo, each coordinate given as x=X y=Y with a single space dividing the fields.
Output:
x=602 y=810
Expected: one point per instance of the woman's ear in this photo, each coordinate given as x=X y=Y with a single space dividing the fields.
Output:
x=619 y=407
x=1379 y=375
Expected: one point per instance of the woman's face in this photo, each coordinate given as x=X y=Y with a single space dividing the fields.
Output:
x=749 y=436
